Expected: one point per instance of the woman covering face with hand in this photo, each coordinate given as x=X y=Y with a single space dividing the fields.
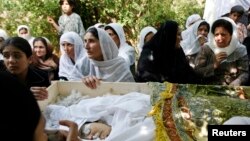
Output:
x=17 y=58
x=103 y=62
x=223 y=60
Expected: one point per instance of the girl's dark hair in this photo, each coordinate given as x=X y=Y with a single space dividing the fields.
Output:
x=109 y=27
x=23 y=28
x=19 y=43
x=72 y=3
x=206 y=24
x=222 y=23
x=93 y=30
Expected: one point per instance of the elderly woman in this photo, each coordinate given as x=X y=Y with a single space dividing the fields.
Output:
x=103 y=62
x=223 y=60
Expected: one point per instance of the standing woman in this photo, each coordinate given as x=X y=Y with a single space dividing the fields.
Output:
x=103 y=62
x=162 y=58
x=224 y=60
x=44 y=59
x=72 y=49
x=17 y=58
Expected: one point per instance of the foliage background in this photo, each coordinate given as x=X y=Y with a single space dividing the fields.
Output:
x=132 y=14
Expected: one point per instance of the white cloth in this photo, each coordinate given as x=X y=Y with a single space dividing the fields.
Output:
x=125 y=50
x=112 y=69
x=3 y=34
x=143 y=34
x=234 y=44
x=238 y=120
x=125 y=113
x=216 y=8
x=190 y=44
x=28 y=36
x=192 y=19
x=65 y=64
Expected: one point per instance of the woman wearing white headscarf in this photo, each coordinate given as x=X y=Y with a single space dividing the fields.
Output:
x=25 y=32
x=126 y=51
x=223 y=60
x=191 y=45
x=72 y=49
x=103 y=62
x=3 y=37
x=145 y=35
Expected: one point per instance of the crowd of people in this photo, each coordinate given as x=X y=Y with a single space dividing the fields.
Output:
x=216 y=54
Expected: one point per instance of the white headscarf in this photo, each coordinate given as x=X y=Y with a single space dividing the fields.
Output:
x=112 y=69
x=3 y=34
x=125 y=50
x=28 y=36
x=192 y=19
x=66 y=65
x=143 y=34
x=191 y=44
x=233 y=45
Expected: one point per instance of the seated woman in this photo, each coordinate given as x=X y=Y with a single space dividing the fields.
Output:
x=145 y=35
x=126 y=51
x=162 y=58
x=44 y=59
x=17 y=57
x=223 y=60
x=103 y=62
x=72 y=49
x=3 y=36
x=197 y=37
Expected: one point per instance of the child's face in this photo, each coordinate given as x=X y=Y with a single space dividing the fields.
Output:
x=66 y=8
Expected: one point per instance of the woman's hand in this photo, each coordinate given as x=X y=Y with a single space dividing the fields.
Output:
x=219 y=58
x=91 y=81
x=40 y=93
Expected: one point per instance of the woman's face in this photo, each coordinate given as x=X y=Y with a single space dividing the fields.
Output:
x=40 y=135
x=39 y=49
x=114 y=37
x=15 y=60
x=178 y=38
x=148 y=37
x=69 y=49
x=202 y=30
x=93 y=47
x=66 y=8
x=222 y=37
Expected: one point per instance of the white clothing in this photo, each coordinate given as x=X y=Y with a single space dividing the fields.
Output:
x=143 y=34
x=28 y=36
x=65 y=64
x=125 y=50
x=192 y=19
x=234 y=44
x=190 y=44
x=112 y=69
x=126 y=114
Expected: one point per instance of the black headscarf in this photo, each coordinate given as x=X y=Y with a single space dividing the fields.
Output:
x=161 y=60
